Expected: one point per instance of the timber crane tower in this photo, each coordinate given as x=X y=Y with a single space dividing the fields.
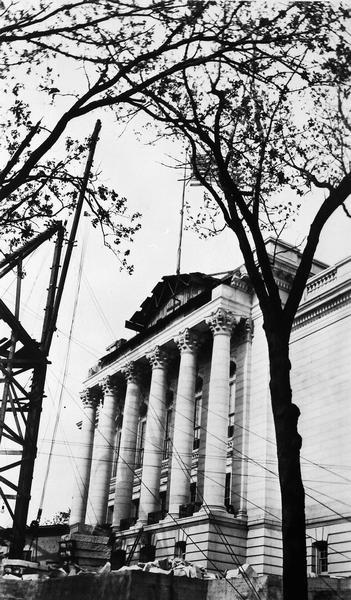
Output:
x=23 y=358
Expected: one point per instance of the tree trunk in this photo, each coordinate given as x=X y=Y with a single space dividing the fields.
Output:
x=286 y=415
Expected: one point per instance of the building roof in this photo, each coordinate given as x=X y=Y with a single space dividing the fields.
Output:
x=178 y=289
x=172 y=296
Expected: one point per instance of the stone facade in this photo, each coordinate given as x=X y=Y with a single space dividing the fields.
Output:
x=182 y=460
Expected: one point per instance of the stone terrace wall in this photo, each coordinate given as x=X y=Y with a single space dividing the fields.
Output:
x=137 y=585
x=269 y=587
x=127 y=585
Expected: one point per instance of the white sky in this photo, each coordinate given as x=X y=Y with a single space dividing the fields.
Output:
x=134 y=170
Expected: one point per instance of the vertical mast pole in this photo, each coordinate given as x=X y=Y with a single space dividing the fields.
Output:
x=181 y=225
x=52 y=325
x=55 y=269
x=38 y=380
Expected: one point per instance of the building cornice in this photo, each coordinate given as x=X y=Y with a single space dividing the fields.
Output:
x=321 y=280
x=320 y=307
x=324 y=520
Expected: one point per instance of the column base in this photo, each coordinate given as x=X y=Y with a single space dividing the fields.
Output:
x=81 y=528
x=171 y=518
x=174 y=513
x=130 y=527
x=139 y=524
x=115 y=529
x=214 y=509
x=242 y=514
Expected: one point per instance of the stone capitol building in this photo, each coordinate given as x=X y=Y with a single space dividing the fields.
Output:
x=177 y=447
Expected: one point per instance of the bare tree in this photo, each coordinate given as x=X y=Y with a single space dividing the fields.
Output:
x=118 y=49
x=241 y=84
x=268 y=118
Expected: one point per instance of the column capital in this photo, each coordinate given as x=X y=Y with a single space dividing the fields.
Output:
x=157 y=358
x=131 y=372
x=222 y=321
x=108 y=386
x=187 y=341
x=89 y=398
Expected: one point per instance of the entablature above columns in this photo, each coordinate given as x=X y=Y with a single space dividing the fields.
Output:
x=195 y=322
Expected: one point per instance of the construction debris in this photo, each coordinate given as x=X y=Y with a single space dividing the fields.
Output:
x=244 y=570
x=66 y=567
x=177 y=567
x=14 y=568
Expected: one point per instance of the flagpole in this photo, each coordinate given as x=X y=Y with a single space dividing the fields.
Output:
x=179 y=251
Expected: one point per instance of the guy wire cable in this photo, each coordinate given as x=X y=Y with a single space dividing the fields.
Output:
x=223 y=486
x=78 y=286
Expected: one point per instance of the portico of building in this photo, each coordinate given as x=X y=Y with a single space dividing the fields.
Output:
x=173 y=475
x=178 y=433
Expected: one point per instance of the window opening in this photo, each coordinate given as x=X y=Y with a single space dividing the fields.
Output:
x=109 y=514
x=179 y=550
x=135 y=509
x=231 y=408
x=163 y=504
x=116 y=452
x=227 y=493
x=320 y=557
x=197 y=412
x=147 y=553
x=140 y=444
x=192 y=492
x=167 y=440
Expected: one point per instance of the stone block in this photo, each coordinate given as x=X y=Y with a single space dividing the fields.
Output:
x=91 y=551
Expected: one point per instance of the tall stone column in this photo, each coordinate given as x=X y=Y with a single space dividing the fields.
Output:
x=154 y=436
x=83 y=461
x=179 y=488
x=241 y=438
x=100 y=476
x=126 y=458
x=221 y=323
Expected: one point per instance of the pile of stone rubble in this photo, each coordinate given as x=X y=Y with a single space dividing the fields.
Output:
x=182 y=568
x=178 y=567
